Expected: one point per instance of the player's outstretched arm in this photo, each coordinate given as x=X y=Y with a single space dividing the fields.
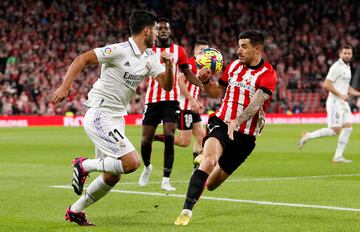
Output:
x=166 y=79
x=260 y=97
x=213 y=89
x=195 y=107
x=354 y=92
x=75 y=68
x=189 y=75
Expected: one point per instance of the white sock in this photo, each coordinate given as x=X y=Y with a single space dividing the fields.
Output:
x=107 y=164
x=342 y=142
x=96 y=190
x=323 y=132
x=187 y=211
x=165 y=180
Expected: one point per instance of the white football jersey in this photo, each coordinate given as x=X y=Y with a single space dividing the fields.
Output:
x=123 y=68
x=340 y=75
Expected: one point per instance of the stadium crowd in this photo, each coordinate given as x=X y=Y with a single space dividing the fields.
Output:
x=39 y=39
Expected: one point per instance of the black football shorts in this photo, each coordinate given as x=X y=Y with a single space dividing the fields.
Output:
x=235 y=151
x=165 y=111
x=187 y=118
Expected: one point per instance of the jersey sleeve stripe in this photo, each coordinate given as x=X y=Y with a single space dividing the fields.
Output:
x=267 y=91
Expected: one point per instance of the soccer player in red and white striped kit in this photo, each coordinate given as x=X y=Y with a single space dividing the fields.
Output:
x=248 y=84
x=190 y=119
x=163 y=106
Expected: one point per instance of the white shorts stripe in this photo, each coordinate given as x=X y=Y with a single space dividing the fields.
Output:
x=103 y=134
x=97 y=124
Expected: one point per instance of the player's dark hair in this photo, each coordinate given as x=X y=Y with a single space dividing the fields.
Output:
x=163 y=19
x=201 y=42
x=346 y=46
x=256 y=37
x=139 y=19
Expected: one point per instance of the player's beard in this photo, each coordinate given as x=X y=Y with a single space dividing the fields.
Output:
x=244 y=61
x=346 y=60
x=149 y=42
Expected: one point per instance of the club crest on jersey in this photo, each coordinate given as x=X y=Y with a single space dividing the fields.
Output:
x=248 y=80
x=121 y=144
x=107 y=51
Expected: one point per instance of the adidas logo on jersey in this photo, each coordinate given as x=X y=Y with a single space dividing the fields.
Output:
x=127 y=64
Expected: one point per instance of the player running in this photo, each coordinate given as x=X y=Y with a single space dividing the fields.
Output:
x=124 y=66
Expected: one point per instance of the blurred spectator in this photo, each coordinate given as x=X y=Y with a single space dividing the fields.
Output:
x=354 y=104
x=39 y=39
x=297 y=107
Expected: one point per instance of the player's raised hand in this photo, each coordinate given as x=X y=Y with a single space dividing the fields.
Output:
x=60 y=94
x=166 y=57
x=232 y=125
x=204 y=74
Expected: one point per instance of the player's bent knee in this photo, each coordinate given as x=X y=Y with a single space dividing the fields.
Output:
x=210 y=161
x=132 y=166
x=336 y=130
x=185 y=142
x=130 y=162
x=347 y=125
x=208 y=164
x=199 y=134
x=184 y=139
x=146 y=141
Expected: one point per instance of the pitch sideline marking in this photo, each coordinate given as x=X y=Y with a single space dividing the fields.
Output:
x=226 y=199
x=255 y=179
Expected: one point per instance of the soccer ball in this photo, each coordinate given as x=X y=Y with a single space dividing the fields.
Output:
x=210 y=58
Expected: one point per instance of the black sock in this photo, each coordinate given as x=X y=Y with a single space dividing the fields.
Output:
x=168 y=155
x=159 y=137
x=146 y=153
x=195 y=154
x=195 y=189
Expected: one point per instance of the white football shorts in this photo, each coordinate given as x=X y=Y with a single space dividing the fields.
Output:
x=338 y=113
x=107 y=133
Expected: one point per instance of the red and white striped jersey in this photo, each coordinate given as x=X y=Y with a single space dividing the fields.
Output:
x=242 y=82
x=191 y=88
x=154 y=92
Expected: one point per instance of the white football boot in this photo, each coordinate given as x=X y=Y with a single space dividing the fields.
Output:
x=303 y=140
x=145 y=175
x=165 y=184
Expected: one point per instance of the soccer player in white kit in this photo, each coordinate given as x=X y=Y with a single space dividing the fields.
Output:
x=339 y=116
x=124 y=66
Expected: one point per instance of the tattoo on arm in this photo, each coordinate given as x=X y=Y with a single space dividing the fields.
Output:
x=257 y=102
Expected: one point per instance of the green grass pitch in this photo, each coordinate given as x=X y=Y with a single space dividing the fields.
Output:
x=33 y=159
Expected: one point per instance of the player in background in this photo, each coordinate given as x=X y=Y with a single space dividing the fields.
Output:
x=339 y=115
x=124 y=66
x=163 y=106
x=248 y=83
x=190 y=119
